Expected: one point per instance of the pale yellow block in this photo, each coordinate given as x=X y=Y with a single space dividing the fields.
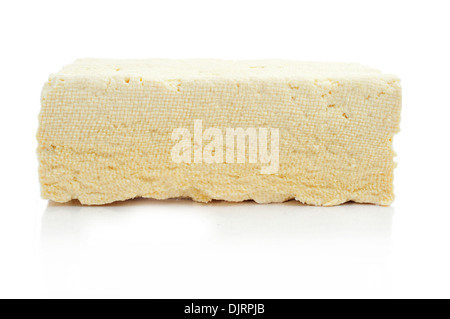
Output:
x=105 y=130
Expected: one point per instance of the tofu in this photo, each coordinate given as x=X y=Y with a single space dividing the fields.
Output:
x=268 y=131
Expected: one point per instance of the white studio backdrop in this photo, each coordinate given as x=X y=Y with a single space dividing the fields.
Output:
x=166 y=249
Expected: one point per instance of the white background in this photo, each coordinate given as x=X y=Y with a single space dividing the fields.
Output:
x=147 y=248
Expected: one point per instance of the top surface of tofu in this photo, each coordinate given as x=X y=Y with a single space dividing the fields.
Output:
x=208 y=68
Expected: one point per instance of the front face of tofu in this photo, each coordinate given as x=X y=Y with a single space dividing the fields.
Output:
x=106 y=132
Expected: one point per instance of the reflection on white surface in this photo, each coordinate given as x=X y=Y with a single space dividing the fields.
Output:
x=184 y=220
x=180 y=244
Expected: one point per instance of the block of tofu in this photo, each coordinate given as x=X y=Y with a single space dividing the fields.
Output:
x=108 y=131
